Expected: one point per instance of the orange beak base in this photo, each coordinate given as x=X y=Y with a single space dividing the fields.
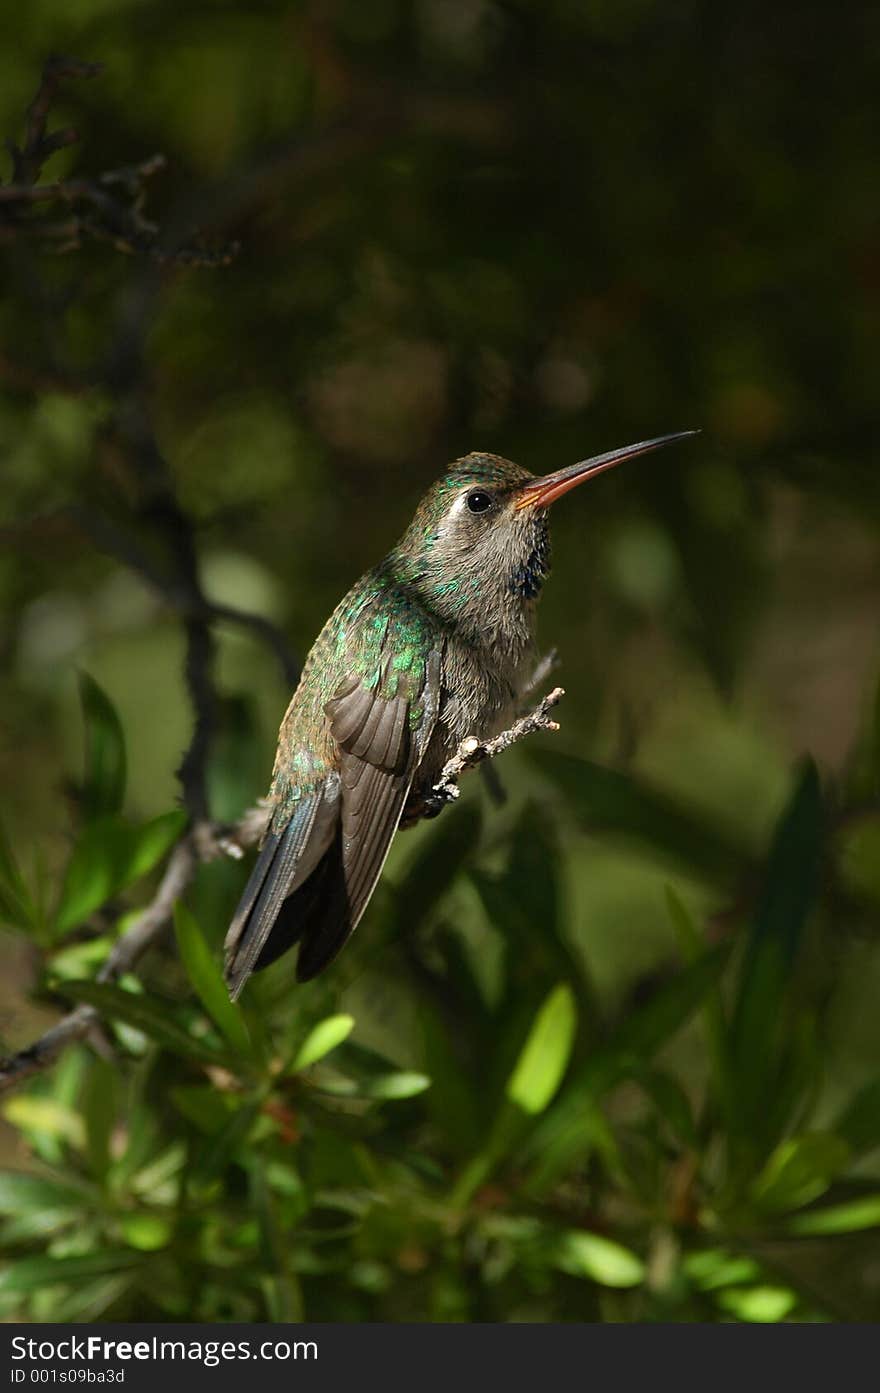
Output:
x=540 y=493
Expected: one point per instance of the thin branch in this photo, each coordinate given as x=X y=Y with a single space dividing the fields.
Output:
x=162 y=510
x=107 y=208
x=264 y=629
x=472 y=752
x=204 y=842
x=109 y=537
x=18 y=1068
x=27 y=163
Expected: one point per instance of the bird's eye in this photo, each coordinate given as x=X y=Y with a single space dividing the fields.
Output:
x=479 y=501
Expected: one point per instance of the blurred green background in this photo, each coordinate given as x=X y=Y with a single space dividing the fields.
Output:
x=644 y=990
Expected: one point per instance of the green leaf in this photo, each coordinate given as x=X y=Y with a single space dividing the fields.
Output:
x=147 y=1232
x=658 y=1020
x=713 y=1268
x=79 y=960
x=204 y=1105
x=381 y=1087
x=153 y=1017
x=33 y=1274
x=98 y=1105
x=544 y=1057
x=570 y=1128
x=610 y=802
x=671 y=1102
x=20 y=1191
x=16 y=906
x=407 y=1083
x=103 y=789
x=691 y=944
x=40 y=1117
x=109 y=856
x=849 y=1217
x=220 y=1149
x=207 y=980
x=321 y=1039
x=41 y=1225
x=528 y=893
x=764 y=1304
x=789 y=889
x=799 y=1170
x=600 y=1259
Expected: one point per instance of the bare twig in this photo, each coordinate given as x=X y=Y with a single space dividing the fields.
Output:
x=203 y=842
x=27 y=162
x=115 y=541
x=109 y=208
x=472 y=751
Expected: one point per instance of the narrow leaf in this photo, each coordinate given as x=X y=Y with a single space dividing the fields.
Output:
x=321 y=1039
x=15 y=902
x=109 y=856
x=219 y=1150
x=20 y=1191
x=207 y=981
x=98 y=1105
x=33 y=1274
x=598 y=1258
x=790 y=885
x=382 y=1087
x=613 y=803
x=105 y=763
x=658 y=1020
x=154 y=1018
x=45 y=1118
x=799 y=1170
x=546 y=1052
x=765 y=1304
x=849 y=1217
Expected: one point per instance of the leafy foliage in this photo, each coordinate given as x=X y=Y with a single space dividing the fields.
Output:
x=525 y=1155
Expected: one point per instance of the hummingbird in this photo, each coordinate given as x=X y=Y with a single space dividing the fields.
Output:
x=434 y=644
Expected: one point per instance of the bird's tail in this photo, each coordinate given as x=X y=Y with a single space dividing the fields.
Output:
x=273 y=914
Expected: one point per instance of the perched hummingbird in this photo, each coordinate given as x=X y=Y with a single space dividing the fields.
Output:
x=432 y=645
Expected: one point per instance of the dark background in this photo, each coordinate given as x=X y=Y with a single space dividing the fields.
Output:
x=542 y=230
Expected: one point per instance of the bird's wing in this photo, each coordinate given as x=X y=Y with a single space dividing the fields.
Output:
x=379 y=752
x=313 y=878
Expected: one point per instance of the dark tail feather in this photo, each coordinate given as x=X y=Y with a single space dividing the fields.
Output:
x=303 y=912
x=317 y=915
x=283 y=856
x=326 y=921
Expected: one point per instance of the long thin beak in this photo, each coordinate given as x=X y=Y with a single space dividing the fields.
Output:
x=540 y=493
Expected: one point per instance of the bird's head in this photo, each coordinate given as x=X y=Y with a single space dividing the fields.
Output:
x=480 y=535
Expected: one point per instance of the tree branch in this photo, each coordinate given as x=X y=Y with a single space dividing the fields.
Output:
x=472 y=751
x=107 y=208
x=202 y=843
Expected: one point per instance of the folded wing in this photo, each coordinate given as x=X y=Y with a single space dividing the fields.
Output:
x=313 y=880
